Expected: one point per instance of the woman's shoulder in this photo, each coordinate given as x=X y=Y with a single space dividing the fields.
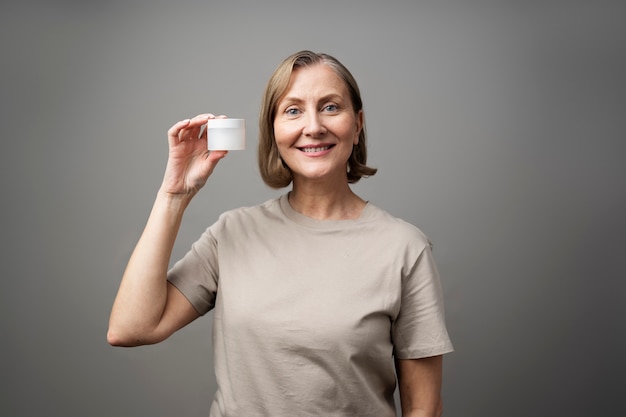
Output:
x=402 y=229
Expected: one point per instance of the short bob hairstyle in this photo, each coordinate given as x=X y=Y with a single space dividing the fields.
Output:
x=273 y=170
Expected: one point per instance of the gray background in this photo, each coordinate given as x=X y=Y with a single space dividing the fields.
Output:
x=498 y=128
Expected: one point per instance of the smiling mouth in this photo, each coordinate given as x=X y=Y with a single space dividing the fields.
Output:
x=316 y=149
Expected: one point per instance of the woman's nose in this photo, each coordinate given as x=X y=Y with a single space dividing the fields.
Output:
x=313 y=125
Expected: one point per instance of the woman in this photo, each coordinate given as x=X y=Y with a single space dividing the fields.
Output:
x=316 y=294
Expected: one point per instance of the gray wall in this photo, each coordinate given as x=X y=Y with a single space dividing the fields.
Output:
x=498 y=128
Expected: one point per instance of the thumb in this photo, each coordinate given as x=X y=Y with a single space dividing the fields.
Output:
x=216 y=156
x=212 y=159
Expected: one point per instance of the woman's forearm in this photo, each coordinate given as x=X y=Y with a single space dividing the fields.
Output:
x=142 y=295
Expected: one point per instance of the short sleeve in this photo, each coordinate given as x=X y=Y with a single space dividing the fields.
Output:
x=196 y=274
x=419 y=329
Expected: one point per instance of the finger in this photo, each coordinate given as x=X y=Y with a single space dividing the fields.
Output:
x=202 y=131
x=198 y=125
x=200 y=119
x=174 y=132
x=189 y=128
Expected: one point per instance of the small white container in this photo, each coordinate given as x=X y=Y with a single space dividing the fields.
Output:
x=226 y=134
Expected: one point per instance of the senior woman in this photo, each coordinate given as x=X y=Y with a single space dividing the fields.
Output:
x=320 y=299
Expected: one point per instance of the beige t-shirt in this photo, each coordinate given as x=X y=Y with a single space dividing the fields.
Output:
x=308 y=314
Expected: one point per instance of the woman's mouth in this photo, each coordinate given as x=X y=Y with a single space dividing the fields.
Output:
x=312 y=149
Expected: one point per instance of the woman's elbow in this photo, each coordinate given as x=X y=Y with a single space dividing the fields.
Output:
x=115 y=338
x=119 y=338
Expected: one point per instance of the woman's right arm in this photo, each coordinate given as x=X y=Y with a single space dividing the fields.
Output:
x=147 y=309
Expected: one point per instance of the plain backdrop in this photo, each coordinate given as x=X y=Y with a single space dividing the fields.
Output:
x=498 y=127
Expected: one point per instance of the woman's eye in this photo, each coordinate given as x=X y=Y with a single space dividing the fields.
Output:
x=331 y=107
x=292 y=111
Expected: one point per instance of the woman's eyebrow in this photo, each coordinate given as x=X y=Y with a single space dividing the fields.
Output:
x=327 y=97
x=332 y=96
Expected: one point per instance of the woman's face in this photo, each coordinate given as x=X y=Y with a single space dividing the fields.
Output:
x=316 y=126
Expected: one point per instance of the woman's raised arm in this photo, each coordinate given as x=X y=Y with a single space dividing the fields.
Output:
x=147 y=309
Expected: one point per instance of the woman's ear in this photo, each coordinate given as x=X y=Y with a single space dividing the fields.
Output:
x=359 y=126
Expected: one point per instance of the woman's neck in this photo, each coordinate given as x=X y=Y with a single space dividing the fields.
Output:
x=326 y=203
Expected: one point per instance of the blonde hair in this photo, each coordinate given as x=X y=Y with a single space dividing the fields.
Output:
x=273 y=171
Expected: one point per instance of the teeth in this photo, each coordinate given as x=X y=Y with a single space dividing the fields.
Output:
x=320 y=149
